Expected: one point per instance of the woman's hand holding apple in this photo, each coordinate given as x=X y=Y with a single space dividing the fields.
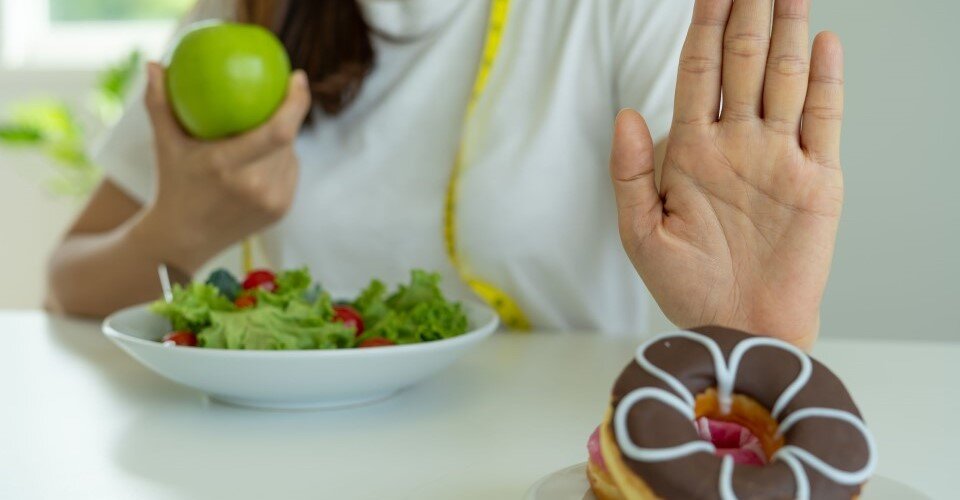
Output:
x=211 y=195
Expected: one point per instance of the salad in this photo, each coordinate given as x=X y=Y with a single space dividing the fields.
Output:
x=289 y=310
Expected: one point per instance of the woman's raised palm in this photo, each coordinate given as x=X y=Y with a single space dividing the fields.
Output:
x=741 y=230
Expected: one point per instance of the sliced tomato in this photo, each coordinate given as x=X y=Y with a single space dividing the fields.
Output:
x=245 y=301
x=376 y=342
x=183 y=338
x=348 y=316
x=262 y=279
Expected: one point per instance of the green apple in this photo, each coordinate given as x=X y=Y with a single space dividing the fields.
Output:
x=226 y=78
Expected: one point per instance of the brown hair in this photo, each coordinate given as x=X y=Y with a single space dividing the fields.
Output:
x=329 y=39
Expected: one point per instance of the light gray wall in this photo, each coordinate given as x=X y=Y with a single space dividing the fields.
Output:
x=897 y=269
x=31 y=219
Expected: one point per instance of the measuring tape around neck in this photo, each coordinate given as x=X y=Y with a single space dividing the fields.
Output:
x=510 y=313
x=508 y=309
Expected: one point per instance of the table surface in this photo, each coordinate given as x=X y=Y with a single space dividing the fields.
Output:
x=81 y=419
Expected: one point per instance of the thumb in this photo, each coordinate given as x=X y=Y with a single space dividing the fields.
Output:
x=632 y=171
x=165 y=125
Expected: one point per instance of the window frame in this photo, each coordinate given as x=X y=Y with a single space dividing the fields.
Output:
x=29 y=40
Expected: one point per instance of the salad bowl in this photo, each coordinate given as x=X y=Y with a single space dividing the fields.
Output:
x=293 y=379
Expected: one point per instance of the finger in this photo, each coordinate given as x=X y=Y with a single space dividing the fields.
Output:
x=280 y=131
x=165 y=124
x=632 y=172
x=823 y=109
x=269 y=181
x=698 y=80
x=746 y=43
x=788 y=66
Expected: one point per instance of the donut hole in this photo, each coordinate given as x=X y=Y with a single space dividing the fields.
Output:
x=731 y=432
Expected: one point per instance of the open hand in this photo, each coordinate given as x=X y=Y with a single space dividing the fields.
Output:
x=741 y=230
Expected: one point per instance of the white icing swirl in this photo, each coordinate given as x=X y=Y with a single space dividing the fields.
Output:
x=726 y=381
x=726 y=479
x=803 y=484
x=726 y=375
x=656 y=454
x=837 y=475
x=670 y=380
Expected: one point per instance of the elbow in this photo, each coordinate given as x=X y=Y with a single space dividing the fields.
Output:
x=63 y=295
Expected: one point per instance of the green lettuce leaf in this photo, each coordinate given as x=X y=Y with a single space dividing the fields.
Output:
x=192 y=306
x=423 y=287
x=424 y=322
x=372 y=302
x=292 y=286
x=300 y=315
x=417 y=312
x=320 y=310
x=269 y=328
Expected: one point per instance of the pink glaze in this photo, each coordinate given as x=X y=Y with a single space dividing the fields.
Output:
x=732 y=439
x=729 y=438
x=593 y=447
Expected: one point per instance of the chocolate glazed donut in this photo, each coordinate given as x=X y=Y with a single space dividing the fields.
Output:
x=827 y=452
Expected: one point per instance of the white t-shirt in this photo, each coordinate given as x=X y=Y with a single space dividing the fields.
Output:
x=536 y=214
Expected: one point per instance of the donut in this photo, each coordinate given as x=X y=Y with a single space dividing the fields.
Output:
x=780 y=424
x=601 y=483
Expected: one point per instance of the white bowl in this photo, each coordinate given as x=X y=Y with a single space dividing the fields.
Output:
x=292 y=379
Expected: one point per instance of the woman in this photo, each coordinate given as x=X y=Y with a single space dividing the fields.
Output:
x=738 y=229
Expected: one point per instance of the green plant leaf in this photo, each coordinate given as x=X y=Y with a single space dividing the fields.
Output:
x=50 y=127
x=20 y=135
x=113 y=85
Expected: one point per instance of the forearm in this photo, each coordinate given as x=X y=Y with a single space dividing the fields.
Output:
x=95 y=274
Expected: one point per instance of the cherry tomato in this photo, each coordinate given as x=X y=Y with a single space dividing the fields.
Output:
x=262 y=279
x=376 y=342
x=348 y=316
x=181 y=338
x=245 y=301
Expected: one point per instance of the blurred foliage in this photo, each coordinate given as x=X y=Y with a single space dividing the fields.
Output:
x=19 y=135
x=116 y=10
x=50 y=127
x=113 y=84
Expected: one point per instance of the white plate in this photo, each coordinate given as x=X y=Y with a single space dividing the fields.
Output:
x=293 y=379
x=571 y=484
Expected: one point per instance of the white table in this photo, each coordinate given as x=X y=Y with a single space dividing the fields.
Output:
x=80 y=419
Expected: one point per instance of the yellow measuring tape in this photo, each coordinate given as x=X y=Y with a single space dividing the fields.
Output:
x=246 y=255
x=510 y=313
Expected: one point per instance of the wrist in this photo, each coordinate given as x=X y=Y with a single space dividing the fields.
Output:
x=802 y=334
x=806 y=339
x=161 y=241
